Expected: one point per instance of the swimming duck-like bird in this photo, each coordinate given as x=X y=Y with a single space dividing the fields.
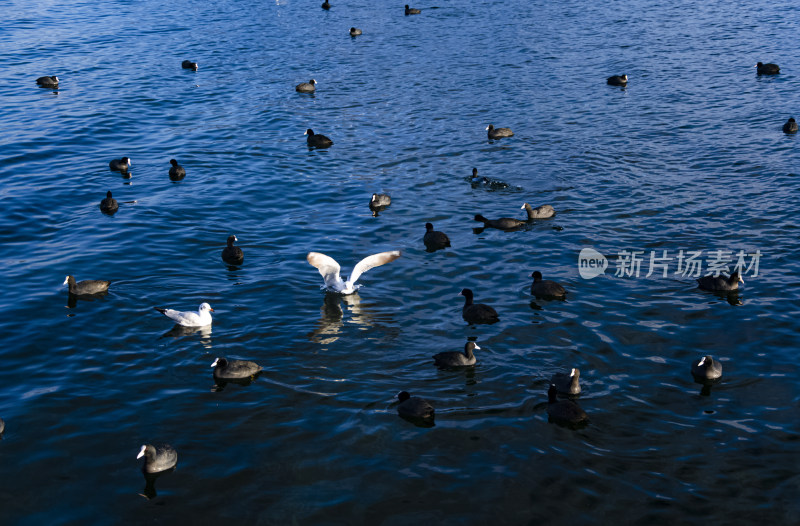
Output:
x=157 y=459
x=706 y=368
x=47 y=82
x=225 y=369
x=232 y=255
x=86 y=287
x=498 y=133
x=545 y=287
x=563 y=411
x=477 y=312
x=504 y=223
x=109 y=205
x=379 y=203
x=433 y=239
x=720 y=282
x=540 y=212
x=767 y=69
x=617 y=80
x=329 y=269
x=201 y=318
x=456 y=358
x=306 y=87
x=317 y=140
x=414 y=406
x=120 y=165
x=177 y=172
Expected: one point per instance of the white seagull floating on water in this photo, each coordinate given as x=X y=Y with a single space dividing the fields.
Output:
x=329 y=269
x=201 y=318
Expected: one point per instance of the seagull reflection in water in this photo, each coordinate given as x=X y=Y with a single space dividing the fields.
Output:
x=179 y=331
x=331 y=317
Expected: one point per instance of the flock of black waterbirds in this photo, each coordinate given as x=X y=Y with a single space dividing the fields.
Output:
x=565 y=410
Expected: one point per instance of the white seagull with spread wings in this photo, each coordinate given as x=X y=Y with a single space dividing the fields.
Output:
x=329 y=269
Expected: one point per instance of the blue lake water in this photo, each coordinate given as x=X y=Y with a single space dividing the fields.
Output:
x=689 y=157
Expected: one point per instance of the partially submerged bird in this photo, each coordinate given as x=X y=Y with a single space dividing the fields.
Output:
x=567 y=383
x=499 y=133
x=201 y=318
x=329 y=269
x=456 y=358
x=504 y=223
x=545 y=287
x=477 y=312
x=109 y=205
x=326 y=5
x=188 y=64
x=540 y=212
x=563 y=411
x=706 y=368
x=86 y=287
x=720 y=282
x=316 y=140
x=477 y=181
x=120 y=165
x=617 y=80
x=176 y=173
x=47 y=82
x=354 y=31
x=225 y=369
x=767 y=69
x=412 y=10
x=379 y=203
x=307 y=87
x=414 y=407
x=433 y=239
x=232 y=255
x=158 y=459
x=790 y=126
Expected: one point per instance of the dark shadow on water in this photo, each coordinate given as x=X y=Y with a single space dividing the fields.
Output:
x=125 y=175
x=568 y=425
x=233 y=268
x=220 y=384
x=733 y=297
x=376 y=210
x=72 y=299
x=707 y=384
x=545 y=299
x=419 y=422
x=149 y=490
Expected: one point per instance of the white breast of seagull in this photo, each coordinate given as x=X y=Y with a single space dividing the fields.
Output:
x=329 y=269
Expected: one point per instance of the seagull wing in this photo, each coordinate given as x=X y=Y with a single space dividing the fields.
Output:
x=185 y=318
x=328 y=269
x=375 y=260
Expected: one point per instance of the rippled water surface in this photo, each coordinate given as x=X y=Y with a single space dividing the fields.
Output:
x=690 y=156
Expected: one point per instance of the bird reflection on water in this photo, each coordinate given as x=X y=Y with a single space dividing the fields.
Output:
x=149 y=490
x=179 y=331
x=331 y=317
x=72 y=299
